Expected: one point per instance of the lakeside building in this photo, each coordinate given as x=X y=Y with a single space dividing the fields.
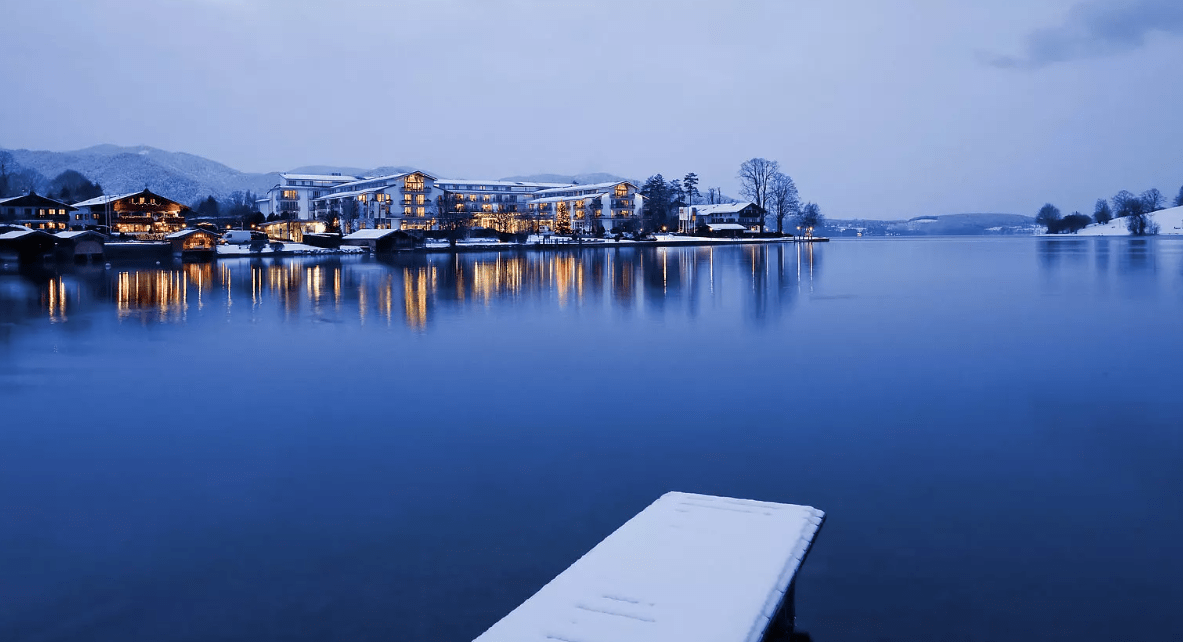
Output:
x=720 y=217
x=39 y=213
x=293 y=197
x=406 y=200
x=141 y=213
x=584 y=207
x=419 y=201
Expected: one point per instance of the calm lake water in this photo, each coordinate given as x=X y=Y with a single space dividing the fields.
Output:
x=354 y=449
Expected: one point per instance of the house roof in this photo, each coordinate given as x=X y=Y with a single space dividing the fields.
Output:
x=103 y=200
x=719 y=227
x=369 y=234
x=33 y=199
x=596 y=186
x=471 y=181
x=319 y=177
x=188 y=231
x=722 y=208
x=76 y=233
x=557 y=199
x=16 y=234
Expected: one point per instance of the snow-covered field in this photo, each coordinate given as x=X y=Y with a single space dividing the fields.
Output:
x=1169 y=222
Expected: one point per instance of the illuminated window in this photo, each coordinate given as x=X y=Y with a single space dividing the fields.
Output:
x=290 y=194
x=472 y=197
x=421 y=211
x=621 y=190
x=407 y=210
x=422 y=199
x=488 y=198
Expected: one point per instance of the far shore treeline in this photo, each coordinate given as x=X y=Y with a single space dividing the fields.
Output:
x=1124 y=205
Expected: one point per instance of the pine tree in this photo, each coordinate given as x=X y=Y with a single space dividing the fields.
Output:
x=562 y=219
x=690 y=184
x=1179 y=198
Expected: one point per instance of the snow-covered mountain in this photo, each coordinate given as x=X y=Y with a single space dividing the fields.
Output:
x=177 y=175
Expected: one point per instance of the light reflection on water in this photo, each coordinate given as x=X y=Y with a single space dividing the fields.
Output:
x=409 y=289
x=407 y=448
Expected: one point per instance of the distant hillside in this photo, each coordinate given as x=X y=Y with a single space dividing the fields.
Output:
x=183 y=177
x=944 y=225
x=582 y=179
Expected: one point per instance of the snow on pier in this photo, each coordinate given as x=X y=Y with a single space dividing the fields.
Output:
x=688 y=567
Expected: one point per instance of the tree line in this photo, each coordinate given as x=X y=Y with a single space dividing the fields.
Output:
x=1135 y=210
x=761 y=182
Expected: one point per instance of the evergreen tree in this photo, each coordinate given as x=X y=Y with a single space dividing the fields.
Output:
x=690 y=184
x=1102 y=213
x=1179 y=198
x=562 y=219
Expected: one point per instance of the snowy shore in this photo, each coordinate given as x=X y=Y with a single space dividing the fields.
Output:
x=1169 y=221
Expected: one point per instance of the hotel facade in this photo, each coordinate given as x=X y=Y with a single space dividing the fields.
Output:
x=420 y=201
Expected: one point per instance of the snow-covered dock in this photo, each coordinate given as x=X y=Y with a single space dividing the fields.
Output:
x=688 y=567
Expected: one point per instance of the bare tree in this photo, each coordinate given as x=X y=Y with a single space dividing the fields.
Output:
x=714 y=195
x=755 y=179
x=451 y=219
x=783 y=200
x=1153 y=200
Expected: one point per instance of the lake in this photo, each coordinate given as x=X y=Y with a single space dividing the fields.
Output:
x=406 y=449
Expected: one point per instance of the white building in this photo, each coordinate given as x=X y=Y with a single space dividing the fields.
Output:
x=501 y=205
x=292 y=198
x=607 y=205
x=396 y=201
x=720 y=217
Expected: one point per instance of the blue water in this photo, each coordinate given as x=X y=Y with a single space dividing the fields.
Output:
x=352 y=449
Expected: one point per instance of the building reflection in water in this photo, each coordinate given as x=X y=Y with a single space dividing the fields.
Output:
x=415 y=288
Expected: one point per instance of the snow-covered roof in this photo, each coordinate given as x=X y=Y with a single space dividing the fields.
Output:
x=688 y=567
x=368 y=234
x=597 y=186
x=721 y=208
x=103 y=200
x=34 y=197
x=358 y=192
x=319 y=177
x=476 y=183
x=186 y=232
x=720 y=227
x=556 y=199
x=16 y=234
x=72 y=233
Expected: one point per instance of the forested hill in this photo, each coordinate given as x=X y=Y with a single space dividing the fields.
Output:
x=183 y=177
x=943 y=225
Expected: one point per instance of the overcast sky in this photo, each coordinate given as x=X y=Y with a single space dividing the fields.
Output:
x=877 y=108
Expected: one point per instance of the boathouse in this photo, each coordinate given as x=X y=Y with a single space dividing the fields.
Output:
x=25 y=245
x=688 y=567
x=193 y=243
x=380 y=240
x=80 y=245
x=143 y=214
x=36 y=212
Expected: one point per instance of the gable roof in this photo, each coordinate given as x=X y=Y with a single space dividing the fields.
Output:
x=103 y=200
x=188 y=231
x=33 y=199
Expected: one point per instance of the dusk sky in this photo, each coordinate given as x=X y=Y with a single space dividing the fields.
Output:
x=882 y=109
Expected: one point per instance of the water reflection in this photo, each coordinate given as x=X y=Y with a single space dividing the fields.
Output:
x=414 y=289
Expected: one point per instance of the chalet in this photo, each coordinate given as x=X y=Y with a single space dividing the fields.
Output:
x=37 y=212
x=142 y=213
x=193 y=243
x=720 y=217
x=80 y=245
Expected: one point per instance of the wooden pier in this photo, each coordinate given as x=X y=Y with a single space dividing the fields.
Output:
x=689 y=567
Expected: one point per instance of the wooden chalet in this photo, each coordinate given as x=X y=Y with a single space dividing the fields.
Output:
x=380 y=240
x=36 y=212
x=142 y=213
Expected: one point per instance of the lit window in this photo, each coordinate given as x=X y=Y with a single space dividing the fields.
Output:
x=422 y=199
x=407 y=210
x=421 y=211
